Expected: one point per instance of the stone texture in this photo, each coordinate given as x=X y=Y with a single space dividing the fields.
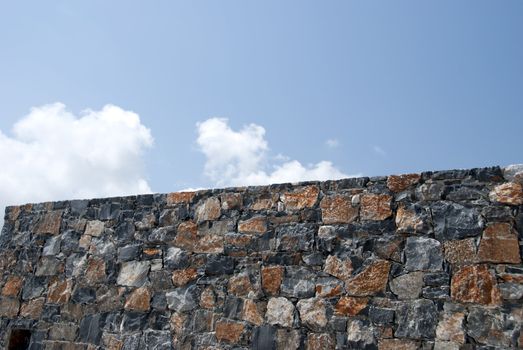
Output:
x=398 y=344
x=229 y=331
x=460 y=252
x=508 y=193
x=210 y=209
x=371 y=280
x=398 y=183
x=450 y=328
x=475 y=284
x=182 y=277
x=280 y=311
x=139 y=300
x=313 y=313
x=288 y=339
x=183 y=299
x=416 y=319
x=338 y=209
x=13 y=286
x=455 y=221
x=94 y=228
x=320 y=341
x=304 y=197
x=338 y=268
x=271 y=279
x=133 y=273
x=59 y=292
x=254 y=225
x=179 y=197
x=499 y=244
x=360 y=335
x=9 y=307
x=32 y=309
x=189 y=238
x=251 y=312
x=240 y=285
x=407 y=286
x=350 y=306
x=492 y=327
x=49 y=223
x=409 y=220
x=375 y=207
x=422 y=253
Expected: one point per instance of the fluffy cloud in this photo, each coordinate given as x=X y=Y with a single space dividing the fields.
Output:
x=53 y=154
x=235 y=158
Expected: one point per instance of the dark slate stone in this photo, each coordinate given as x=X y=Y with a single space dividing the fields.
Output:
x=172 y=216
x=490 y=174
x=79 y=206
x=129 y=252
x=492 y=327
x=436 y=279
x=161 y=280
x=90 y=330
x=183 y=299
x=83 y=295
x=159 y=320
x=219 y=265
x=132 y=341
x=133 y=321
x=360 y=335
x=295 y=237
x=283 y=258
x=156 y=340
x=125 y=231
x=455 y=221
x=201 y=321
x=50 y=313
x=162 y=235
x=176 y=258
x=33 y=287
x=459 y=193
x=263 y=338
x=378 y=227
x=416 y=319
x=159 y=301
x=338 y=324
x=422 y=253
x=298 y=282
x=434 y=293
x=232 y=307
x=109 y=211
x=145 y=200
x=381 y=316
x=316 y=259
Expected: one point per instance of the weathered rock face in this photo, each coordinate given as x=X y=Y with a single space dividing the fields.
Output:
x=416 y=261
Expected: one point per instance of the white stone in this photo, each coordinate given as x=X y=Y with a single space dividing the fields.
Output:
x=280 y=311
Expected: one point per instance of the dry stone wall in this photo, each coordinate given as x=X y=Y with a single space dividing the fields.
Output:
x=417 y=261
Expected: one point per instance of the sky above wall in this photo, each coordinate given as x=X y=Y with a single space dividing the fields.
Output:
x=116 y=97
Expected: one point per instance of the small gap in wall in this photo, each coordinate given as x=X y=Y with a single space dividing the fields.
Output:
x=19 y=339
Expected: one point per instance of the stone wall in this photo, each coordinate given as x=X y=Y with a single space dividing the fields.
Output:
x=416 y=261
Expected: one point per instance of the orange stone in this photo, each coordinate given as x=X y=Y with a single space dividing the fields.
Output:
x=32 y=309
x=499 y=244
x=187 y=238
x=207 y=298
x=238 y=240
x=337 y=209
x=12 y=286
x=49 y=223
x=231 y=201
x=177 y=323
x=179 y=197
x=240 y=285
x=338 y=268
x=375 y=207
x=460 y=252
x=475 y=284
x=229 y=331
x=59 y=292
x=255 y=225
x=262 y=204
x=350 y=306
x=398 y=344
x=320 y=341
x=371 y=280
x=250 y=312
x=408 y=221
x=95 y=271
x=398 y=183
x=304 y=197
x=271 y=279
x=507 y=193
x=139 y=300
x=184 y=276
x=328 y=291
x=152 y=252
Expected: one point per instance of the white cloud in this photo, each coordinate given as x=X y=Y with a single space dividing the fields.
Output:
x=236 y=158
x=53 y=154
x=332 y=143
x=378 y=150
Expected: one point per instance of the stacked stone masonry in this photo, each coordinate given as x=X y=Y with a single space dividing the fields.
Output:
x=417 y=261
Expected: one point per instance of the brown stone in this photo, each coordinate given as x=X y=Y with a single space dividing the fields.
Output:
x=304 y=197
x=375 y=207
x=371 y=280
x=179 y=197
x=229 y=331
x=111 y=342
x=408 y=221
x=231 y=201
x=251 y=313
x=238 y=240
x=511 y=277
x=475 y=284
x=338 y=268
x=240 y=285
x=398 y=344
x=208 y=210
x=12 y=286
x=94 y=228
x=184 y=276
x=288 y=339
x=507 y=193
x=177 y=323
x=255 y=225
x=460 y=252
x=350 y=306
x=9 y=307
x=450 y=328
x=49 y=223
x=499 y=244
x=398 y=183
x=207 y=298
x=95 y=271
x=32 y=309
x=271 y=279
x=139 y=300
x=328 y=290
x=85 y=241
x=320 y=341
x=189 y=239
x=262 y=204
x=338 y=209
x=59 y=292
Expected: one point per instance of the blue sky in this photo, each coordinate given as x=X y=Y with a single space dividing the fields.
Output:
x=397 y=86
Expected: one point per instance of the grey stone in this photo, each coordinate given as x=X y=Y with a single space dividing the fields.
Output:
x=298 y=286
x=513 y=172
x=109 y=211
x=33 y=287
x=232 y=307
x=129 y=252
x=295 y=237
x=436 y=279
x=380 y=315
x=219 y=265
x=280 y=311
x=133 y=273
x=492 y=327
x=175 y=258
x=436 y=293
x=183 y=299
x=263 y=338
x=162 y=235
x=83 y=295
x=63 y=331
x=91 y=329
x=422 y=253
x=360 y=335
x=52 y=246
x=416 y=319
x=48 y=266
x=407 y=286
x=455 y=221
x=124 y=232
x=103 y=246
x=511 y=291
x=132 y=342
x=156 y=340
x=288 y=339
x=133 y=321
x=430 y=191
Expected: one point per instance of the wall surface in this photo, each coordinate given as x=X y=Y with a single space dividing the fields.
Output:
x=416 y=261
